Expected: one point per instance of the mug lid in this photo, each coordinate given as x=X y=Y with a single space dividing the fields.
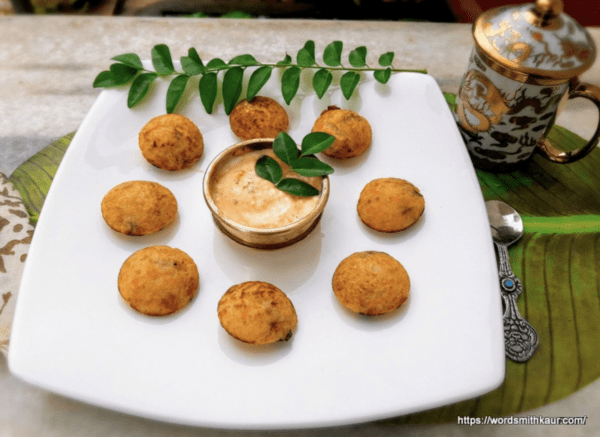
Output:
x=535 y=39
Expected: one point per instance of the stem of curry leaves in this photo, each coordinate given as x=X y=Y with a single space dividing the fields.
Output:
x=129 y=69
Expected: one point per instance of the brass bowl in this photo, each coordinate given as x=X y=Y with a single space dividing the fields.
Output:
x=260 y=238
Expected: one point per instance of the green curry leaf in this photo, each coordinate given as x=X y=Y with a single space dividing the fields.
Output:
x=175 y=91
x=321 y=81
x=216 y=64
x=130 y=59
x=269 y=169
x=244 y=60
x=358 y=57
x=311 y=167
x=297 y=187
x=316 y=142
x=382 y=76
x=161 y=60
x=119 y=74
x=285 y=148
x=287 y=60
x=290 y=82
x=232 y=87
x=332 y=56
x=306 y=55
x=139 y=88
x=386 y=59
x=192 y=64
x=258 y=79
x=208 y=91
x=348 y=83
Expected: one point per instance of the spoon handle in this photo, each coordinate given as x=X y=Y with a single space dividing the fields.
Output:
x=520 y=338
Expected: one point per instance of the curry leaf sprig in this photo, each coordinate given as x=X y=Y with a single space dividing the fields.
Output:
x=128 y=68
x=300 y=161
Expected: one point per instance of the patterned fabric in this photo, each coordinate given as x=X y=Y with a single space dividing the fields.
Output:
x=15 y=238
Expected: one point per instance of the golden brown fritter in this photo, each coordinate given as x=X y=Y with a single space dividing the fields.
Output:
x=390 y=204
x=352 y=132
x=158 y=280
x=257 y=313
x=371 y=283
x=171 y=142
x=138 y=207
x=262 y=117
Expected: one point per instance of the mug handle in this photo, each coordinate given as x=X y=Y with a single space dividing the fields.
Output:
x=576 y=89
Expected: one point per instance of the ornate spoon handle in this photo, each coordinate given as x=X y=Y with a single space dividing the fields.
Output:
x=520 y=338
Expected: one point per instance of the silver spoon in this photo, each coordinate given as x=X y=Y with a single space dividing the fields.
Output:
x=520 y=338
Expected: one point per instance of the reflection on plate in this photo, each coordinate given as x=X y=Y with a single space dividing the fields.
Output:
x=444 y=345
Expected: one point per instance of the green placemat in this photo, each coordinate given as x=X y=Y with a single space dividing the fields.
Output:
x=558 y=261
x=33 y=178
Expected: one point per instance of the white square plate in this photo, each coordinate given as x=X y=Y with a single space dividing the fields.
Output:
x=75 y=336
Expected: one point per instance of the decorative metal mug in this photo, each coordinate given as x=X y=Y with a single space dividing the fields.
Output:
x=525 y=59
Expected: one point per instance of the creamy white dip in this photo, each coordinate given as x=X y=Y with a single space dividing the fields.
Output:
x=246 y=198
